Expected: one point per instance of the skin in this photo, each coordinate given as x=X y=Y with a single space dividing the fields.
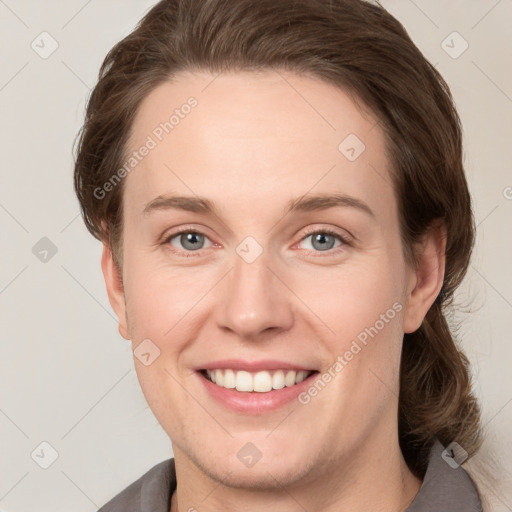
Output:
x=254 y=142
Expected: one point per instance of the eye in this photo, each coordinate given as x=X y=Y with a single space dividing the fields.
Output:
x=186 y=240
x=324 y=240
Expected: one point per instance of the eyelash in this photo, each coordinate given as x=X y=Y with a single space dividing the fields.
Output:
x=193 y=254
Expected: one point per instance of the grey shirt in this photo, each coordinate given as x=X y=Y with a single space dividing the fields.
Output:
x=444 y=489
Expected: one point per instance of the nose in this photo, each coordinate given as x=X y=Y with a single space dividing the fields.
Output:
x=255 y=300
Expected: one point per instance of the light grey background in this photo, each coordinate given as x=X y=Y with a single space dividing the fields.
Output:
x=67 y=376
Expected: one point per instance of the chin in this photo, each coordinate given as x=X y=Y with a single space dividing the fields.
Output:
x=270 y=472
x=260 y=477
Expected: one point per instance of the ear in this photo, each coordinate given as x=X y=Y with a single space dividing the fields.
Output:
x=115 y=290
x=426 y=280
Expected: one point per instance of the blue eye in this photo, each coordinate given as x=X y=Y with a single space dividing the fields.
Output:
x=324 y=240
x=189 y=240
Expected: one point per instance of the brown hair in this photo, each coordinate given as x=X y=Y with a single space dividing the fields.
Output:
x=361 y=48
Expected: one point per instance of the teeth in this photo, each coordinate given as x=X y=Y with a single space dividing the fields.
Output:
x=229 y=379
x=278 y=380
x=289 y=380
x=260 y=382
x=244 y=381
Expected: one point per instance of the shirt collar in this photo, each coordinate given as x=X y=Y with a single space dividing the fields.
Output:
x=445 y=486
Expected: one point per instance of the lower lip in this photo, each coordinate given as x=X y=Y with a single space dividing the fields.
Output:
x=254 y=402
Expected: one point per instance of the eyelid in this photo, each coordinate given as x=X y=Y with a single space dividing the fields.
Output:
x=346 y=238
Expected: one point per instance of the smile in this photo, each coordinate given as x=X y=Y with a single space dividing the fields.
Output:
x=251 y=386
x=260 y=382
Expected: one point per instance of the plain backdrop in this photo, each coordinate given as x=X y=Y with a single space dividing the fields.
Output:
x=67 y=376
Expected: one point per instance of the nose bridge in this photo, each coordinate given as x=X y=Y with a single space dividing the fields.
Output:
x=253 y=298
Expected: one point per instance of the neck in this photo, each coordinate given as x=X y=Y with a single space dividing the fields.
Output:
x=373 y=476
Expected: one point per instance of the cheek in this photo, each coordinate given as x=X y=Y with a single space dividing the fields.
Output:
x=363 y=307
x=159 y=310
x=160 y=300
x=352 y=297
x=164 y=306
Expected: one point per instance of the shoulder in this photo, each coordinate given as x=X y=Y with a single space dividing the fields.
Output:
x=152 y=490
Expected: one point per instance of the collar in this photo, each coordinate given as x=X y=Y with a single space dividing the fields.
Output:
x=445 y=488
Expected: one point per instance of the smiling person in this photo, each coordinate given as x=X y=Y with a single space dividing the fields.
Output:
x=279 y=189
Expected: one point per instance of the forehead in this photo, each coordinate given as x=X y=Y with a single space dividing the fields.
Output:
x=249 y=137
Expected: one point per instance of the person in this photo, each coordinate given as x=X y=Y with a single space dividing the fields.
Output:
x=280 y=193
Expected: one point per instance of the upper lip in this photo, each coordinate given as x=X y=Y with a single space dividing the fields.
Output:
x=252 y=366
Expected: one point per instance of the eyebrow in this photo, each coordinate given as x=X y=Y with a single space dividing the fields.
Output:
x=304 y=203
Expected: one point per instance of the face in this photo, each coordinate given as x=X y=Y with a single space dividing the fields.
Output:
x=279 y=270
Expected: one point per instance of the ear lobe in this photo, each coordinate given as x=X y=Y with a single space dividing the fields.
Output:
x=115 y=289
x=427 y=279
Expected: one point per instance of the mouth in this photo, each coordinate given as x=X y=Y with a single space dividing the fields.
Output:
x=263 y=381
x=255 y=388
